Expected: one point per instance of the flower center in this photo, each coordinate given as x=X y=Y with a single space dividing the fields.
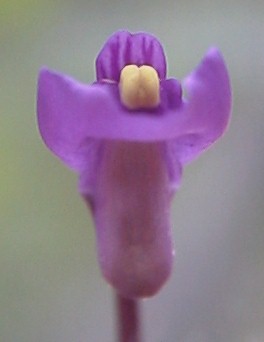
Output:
x=139 y=87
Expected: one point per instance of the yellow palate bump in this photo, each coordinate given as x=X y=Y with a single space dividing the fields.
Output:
x=139 y=87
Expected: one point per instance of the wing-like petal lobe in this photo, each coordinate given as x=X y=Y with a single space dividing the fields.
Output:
x=65 y=109
x=208 y=106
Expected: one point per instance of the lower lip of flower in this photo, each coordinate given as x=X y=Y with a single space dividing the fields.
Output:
x=132 y=205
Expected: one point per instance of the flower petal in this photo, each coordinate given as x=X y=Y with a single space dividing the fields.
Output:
x=124 y=48
x=70 y=113
x=63 y=107
x=208 y=106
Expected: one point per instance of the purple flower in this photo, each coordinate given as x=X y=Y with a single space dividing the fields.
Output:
x=128 y=135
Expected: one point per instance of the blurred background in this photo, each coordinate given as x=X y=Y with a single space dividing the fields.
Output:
x=50 y=284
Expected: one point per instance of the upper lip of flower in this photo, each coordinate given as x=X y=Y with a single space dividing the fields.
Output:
x=124 y=48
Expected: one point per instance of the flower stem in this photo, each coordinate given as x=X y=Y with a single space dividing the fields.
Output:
x=128 y=319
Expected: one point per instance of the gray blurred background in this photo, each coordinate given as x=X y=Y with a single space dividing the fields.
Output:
x=51 y=289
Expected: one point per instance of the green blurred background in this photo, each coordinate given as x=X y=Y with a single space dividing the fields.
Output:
x=50 y=286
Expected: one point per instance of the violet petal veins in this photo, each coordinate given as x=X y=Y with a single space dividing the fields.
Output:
x=129 y=151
